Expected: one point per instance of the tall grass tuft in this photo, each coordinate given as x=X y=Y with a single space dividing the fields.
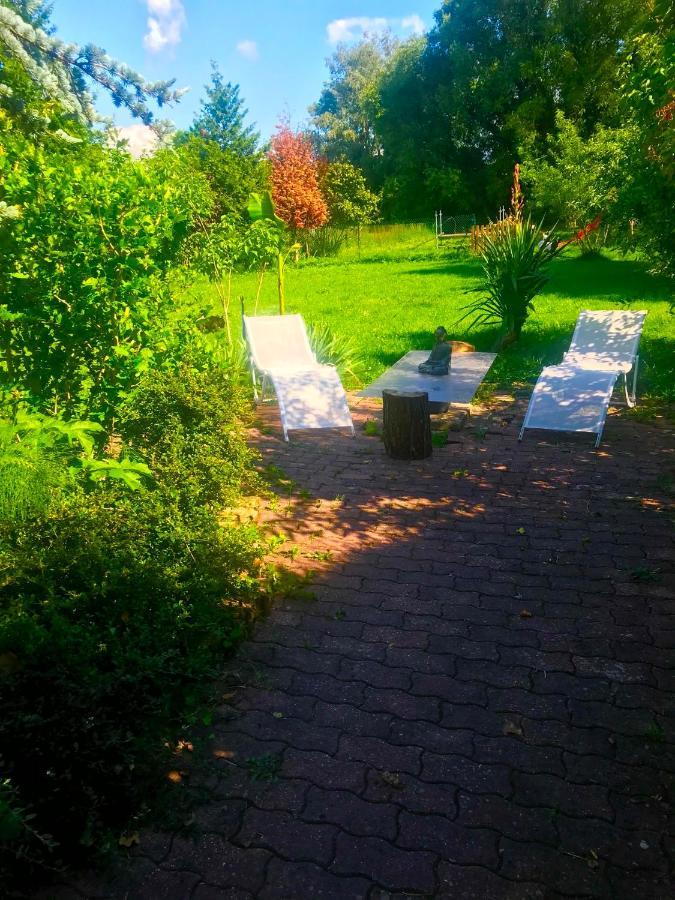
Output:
x=325 y=241
x=335 y=350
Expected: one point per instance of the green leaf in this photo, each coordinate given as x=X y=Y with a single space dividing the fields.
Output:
x=261 y=206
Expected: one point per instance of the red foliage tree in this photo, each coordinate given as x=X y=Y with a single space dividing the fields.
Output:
x=295 y=180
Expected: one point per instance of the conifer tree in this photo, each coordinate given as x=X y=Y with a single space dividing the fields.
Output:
x=222 y=117
x=63 y=71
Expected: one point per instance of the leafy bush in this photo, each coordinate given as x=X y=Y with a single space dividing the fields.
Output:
x=188 y=426
x=575 y=180
x=84 y=270
x=114 y=623
x=349 y=200
x=512 y=258
x=40 y=456
x=232 y=176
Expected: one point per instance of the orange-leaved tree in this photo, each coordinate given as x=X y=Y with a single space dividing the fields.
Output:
x=295 y=180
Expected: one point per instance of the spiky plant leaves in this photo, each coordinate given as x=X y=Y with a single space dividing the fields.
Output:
x=513 y=256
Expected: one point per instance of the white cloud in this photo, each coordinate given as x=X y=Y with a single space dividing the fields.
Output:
x=249 y=50
x=166 y=19
x=140 y=139
x=415 y=23
x=349 y=29
x=355 y=27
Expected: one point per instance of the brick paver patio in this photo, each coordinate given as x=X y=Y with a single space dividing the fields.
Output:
x=478 y=703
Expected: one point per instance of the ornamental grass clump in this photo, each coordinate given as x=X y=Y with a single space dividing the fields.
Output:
x=513 y=255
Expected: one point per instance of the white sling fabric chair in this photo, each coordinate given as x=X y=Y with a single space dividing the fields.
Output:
x=575 y=395
x=310 y=394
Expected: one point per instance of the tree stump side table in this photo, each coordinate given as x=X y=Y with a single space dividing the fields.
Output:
x=406 y=428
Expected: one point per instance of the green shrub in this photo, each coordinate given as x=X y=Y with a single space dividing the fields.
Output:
x=114 y=623
x=592 y=245
x=86 y=305
x=187 y=424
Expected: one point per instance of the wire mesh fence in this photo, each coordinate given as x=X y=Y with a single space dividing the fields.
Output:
x=453 y=225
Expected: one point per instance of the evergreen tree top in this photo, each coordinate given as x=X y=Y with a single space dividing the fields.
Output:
x=62 y=71
x=222 y=117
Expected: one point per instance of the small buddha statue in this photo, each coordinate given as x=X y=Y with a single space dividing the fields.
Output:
x=438 y=362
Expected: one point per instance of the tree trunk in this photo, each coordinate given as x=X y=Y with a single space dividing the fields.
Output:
x=407 y=427
x=505 y=340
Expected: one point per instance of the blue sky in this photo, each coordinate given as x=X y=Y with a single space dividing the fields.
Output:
x=275 y=49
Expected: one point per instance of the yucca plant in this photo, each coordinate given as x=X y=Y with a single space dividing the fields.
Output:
x=513 y=259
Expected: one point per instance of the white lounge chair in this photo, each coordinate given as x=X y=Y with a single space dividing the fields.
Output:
x=310 y=395
x=575 y=395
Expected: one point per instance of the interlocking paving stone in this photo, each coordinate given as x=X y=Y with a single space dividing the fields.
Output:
x=211 y=892
x=351 y=813
x=451 y=841
x=381 y=754
x=553 y=867
x=290 y=880
x=465 y=710
x=402 y=704
x=162 y=883
x=394 y=868
x=287 y=836
x=507 y=818
x=478 y=883
x=219 y=862
x=579 y=800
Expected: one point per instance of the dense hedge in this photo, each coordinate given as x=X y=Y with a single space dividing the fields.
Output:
x=116 y=609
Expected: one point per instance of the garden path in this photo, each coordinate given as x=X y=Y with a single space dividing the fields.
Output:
x=475 y=703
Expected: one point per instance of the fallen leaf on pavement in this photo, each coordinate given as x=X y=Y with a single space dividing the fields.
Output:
x=393 y=779
x=128 y=840
x=512 y=728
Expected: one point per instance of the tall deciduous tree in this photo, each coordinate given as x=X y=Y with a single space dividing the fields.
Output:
x=344 y=118
x=448 y=112
x=295 y=180
x=222 y=117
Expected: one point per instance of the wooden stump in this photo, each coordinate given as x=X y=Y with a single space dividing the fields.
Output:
x=407 y=427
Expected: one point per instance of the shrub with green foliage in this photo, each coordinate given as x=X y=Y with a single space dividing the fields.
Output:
x=114 y=623
x=576 y=179
x=123 y=585
x=349 y=200
x=232 y=177
x=85 y=305
x=324 y=241
x=187 y=424
x=335 y=350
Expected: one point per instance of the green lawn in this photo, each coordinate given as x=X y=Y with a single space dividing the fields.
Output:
x=389 y=297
